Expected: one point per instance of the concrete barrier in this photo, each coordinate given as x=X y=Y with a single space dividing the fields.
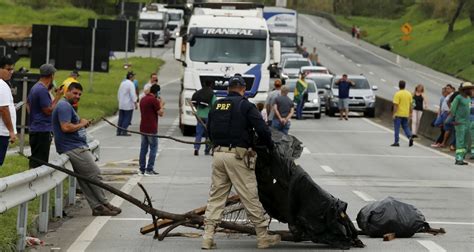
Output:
x=383 y=111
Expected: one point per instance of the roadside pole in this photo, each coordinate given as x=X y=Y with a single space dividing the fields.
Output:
x=48 y=44
x=126 y=41
x=23 y=115
x=150 y=36
x=91 y=74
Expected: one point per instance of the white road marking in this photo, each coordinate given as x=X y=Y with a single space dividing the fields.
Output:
x=406 y=139
x=359 y=65
x=327 y=169
x=130 y=219
x=103 y=124
x=342 y=55
x=170 y=82
x=306 y=151
x=91 y=231
x=371 y=155
x=349 y=60
x=383 y=80
x=431 y=246
x=364 y=196
x=371 y=73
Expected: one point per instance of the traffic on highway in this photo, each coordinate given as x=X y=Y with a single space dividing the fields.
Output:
x=263 y=128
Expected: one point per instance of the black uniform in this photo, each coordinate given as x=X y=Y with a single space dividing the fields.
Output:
x=233 y=121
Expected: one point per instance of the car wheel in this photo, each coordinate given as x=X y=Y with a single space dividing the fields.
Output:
x=370 y=113
x=331 y=112
x=317 y=116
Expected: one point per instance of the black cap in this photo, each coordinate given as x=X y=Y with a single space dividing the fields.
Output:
x=76 y=72
x=237 y=80
x=130 y=74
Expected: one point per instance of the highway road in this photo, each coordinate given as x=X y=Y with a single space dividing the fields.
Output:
x=350 y=159
x=342 y=54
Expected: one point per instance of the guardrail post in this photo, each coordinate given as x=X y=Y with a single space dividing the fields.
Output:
x=21 y=226
x=72 y=190
x=43 y=213
x=58 y=202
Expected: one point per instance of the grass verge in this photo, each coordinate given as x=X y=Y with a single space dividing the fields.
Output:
x=453 y=54
x=102 y=101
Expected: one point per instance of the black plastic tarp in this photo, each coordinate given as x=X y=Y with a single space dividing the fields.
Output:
x=391 y=216
x=289 y=195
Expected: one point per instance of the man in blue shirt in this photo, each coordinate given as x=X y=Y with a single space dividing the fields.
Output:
x=70 y=138
x=344 y=85
x=40 y=108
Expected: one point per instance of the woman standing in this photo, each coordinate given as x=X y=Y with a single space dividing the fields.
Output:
x=419 y=104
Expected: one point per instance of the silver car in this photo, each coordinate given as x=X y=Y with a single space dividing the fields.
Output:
x=312 y=106
x=291 y=67
x=321 y=80
x=361 y=96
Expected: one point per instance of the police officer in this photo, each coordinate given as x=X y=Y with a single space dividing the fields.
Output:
x=231 y=125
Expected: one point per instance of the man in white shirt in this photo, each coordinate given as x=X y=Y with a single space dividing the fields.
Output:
x=127 y=99
x=7 y=108
x=153 y=81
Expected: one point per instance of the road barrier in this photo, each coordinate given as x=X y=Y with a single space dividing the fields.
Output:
x=19 y=189
x=383 y=111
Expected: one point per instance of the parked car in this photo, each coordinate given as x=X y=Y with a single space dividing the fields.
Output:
x=275 y=68
x=321 y=80
x=361 y=96
x=315 y=69
x=291 y=67
x=312 y=106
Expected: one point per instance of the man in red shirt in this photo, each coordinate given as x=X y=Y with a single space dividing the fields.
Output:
x=150 y=109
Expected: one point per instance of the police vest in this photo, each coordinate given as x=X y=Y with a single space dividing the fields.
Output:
x=229 y=126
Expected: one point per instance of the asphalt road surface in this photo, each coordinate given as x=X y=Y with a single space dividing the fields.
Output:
x=350 y=159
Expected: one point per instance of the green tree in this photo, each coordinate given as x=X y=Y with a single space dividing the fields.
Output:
x=460 y=6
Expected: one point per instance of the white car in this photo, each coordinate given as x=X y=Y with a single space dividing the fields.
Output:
x=315 y=69
x=312 y=106
x=291 y=67
x=322 y=81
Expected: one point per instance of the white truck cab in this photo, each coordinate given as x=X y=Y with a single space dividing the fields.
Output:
x=175 y=22
x=152 y=25
x=223 y=40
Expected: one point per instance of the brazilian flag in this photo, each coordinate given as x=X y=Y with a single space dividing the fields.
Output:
x=300 y=88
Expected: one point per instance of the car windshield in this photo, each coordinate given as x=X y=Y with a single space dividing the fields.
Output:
x=359 y=84
x=286 y=41
x=321 y=82
x=150 y=24
x=174 y=16
x=292 y=85
x=310 y=71
x=228 y=50
x=296 y=63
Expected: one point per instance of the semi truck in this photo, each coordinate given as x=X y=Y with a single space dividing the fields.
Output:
x=283 y=26
x=152 y=27
x=224 y=39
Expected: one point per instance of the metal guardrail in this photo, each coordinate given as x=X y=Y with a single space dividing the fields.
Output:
x=19 y=189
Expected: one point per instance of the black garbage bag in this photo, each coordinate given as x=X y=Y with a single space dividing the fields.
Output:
x=289 y=195
x=391 y=216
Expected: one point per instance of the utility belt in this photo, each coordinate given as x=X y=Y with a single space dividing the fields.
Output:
x=248 y=155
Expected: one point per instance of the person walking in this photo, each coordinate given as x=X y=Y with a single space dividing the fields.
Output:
x=272 y=95
x=344 y=85
x=353 y=31
x=232 y=123
x=300 y=95
x=69 y=132
x=402 y=108
x=419 y=104
x=314 y=57
x=7 y=108
x=127 y=99
x=440 y=120
x=202 y=100
x=150 y=109
x=460 y=111
x=40 y=107
x=283 y=109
